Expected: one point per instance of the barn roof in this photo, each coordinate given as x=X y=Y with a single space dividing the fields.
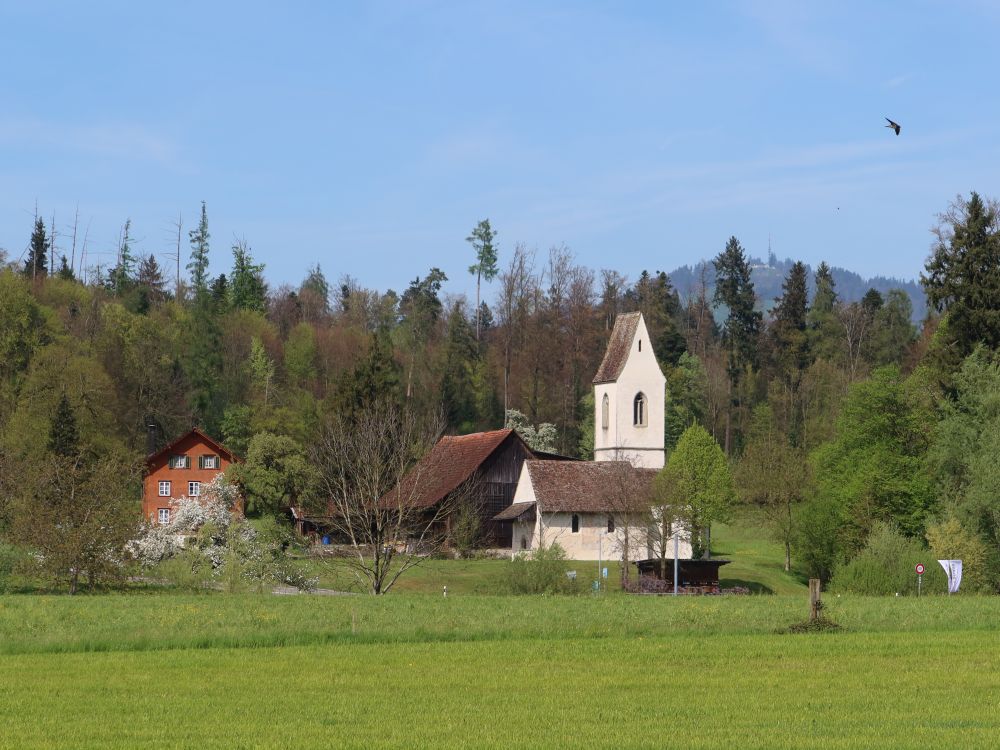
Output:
x=618 y=348
x=452 y=460
x=214 y=444
x=589 y=486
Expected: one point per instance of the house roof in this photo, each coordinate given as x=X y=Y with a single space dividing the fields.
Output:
x=452 y=460
x=216 y=445
x=619 y=345
x=515 y=511
x=589 y=486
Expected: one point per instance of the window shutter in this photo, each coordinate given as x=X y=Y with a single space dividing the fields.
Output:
x=201 y=462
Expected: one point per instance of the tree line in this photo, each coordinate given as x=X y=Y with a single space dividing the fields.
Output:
x=832 y=416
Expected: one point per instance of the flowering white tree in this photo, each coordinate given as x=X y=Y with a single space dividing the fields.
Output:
x=214 y=538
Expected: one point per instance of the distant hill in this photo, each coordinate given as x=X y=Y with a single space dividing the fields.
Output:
x=769 y=275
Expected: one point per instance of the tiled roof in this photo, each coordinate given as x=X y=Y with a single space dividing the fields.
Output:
x=515 y=511
x=618 y=348
x=590 y=486
x=217 y=446
x=450 y=462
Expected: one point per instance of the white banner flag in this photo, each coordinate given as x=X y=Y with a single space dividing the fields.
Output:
x=954 y=570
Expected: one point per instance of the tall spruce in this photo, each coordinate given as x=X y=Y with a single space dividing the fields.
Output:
x=485 y=267
x=37 y=264
x=788 y=330
x=659 y=303
x=149 y=279
x=121 y=277
x=64 y=437
x=247 y=289
x=198 y=265
x=824 y=329
x=741 y=330
x=963 y=274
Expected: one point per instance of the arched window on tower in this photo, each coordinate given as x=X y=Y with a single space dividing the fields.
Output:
x=605 y=411
x=639 y=409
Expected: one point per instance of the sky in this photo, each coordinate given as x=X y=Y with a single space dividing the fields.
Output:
x=371 y=137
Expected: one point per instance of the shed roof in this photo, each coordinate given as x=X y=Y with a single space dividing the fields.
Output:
x=515 y=512
x=619 y=345
x=590 y=486
x=452 y=460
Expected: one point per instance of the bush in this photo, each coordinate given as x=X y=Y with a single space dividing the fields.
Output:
x=950 y=540
x=544 y=572
x=886 y=566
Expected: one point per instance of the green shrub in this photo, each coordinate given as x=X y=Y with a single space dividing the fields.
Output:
x=188 y=570
x=887 y=565
x=544 y=572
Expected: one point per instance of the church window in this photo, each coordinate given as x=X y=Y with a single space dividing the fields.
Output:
x=639 y=409
x=611 y=524
x=640 y=345
x=605 y=408
x=575 y=524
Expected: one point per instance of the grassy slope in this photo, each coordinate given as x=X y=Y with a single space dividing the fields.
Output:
x=757 y=562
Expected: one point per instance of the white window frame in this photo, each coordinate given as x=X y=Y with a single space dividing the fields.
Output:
x=209 y=461
x=194 y=489
x=163 y=516
x=164 y=488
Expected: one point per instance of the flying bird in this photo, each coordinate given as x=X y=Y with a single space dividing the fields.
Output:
x=894 y=125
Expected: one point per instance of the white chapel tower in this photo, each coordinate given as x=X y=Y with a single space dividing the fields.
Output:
x=629 y=398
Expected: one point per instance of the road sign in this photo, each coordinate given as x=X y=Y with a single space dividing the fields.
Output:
x=920 y=569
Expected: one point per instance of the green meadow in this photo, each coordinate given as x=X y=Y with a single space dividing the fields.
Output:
x=216 y=670
x=155 y=668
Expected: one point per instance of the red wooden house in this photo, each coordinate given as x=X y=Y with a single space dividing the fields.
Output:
x=179 y=470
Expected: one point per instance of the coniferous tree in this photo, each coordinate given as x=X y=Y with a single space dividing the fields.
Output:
x=247 y=289
x=220 y=293
x=656 y=299
x=149 y=279
x=314 y=293
x=825 y=332
x=741 y=331
x=64 y=437
x=198 y=265
x=485 y=266
x=963 y=274
x=457 y=390
x=65 y=272
x=788 y=331
x=120 y=277
x=37 y=264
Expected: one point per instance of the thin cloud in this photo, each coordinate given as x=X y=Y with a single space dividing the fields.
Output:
x=115 y=139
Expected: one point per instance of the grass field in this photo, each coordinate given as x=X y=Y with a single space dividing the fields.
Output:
x=221 y=670
x=159 y=669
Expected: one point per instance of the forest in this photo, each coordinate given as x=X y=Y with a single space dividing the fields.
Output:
x=854 y=436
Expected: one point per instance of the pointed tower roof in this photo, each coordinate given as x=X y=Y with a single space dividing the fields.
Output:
x=618 y=348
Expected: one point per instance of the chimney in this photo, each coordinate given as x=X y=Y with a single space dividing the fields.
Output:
x=152 y=435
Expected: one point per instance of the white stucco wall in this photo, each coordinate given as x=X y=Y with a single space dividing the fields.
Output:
x=642 y=445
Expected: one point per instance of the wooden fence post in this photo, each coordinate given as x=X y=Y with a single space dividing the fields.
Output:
x=815 y=605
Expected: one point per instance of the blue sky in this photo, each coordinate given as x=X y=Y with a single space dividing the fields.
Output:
x=371 y=137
